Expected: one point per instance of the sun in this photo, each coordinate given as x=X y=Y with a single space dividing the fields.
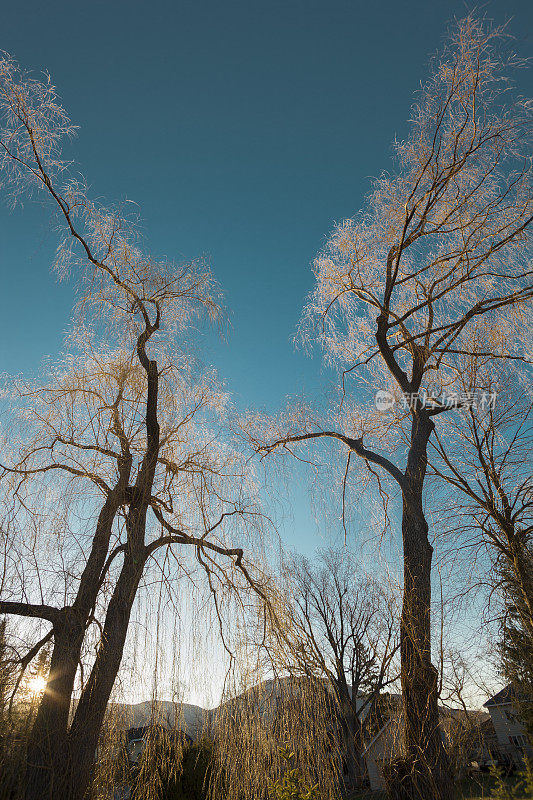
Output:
x=37 y=685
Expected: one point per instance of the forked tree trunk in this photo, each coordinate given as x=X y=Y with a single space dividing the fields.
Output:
x=62 y=761
x=48 y=761
x=428 y=770
x=69 y=758
x=88 y=719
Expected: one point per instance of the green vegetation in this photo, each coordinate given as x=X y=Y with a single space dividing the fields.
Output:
x=291 y=785
x=483 y=786
x=521 y=786
x=495 y=786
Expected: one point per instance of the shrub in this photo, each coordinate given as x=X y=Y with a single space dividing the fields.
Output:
x=291 y=785
x=523 y=789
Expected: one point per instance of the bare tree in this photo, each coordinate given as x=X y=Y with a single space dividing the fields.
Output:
x=120 y=452
x=484 y=455
x=340 y=627
x=485 y=458
x=402 y=292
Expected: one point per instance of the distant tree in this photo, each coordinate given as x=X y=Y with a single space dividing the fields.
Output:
x=484 y=455
x=118 y=455
x=402 y=292
x=516 y=651
x=18 y=708
x=340 y=627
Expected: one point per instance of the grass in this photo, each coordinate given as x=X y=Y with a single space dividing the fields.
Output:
x=479 y=787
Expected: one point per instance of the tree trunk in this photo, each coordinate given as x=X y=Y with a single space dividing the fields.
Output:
x=48 y=758
x=353 y=755
x=429 y=775
x=48 y=761
x=90 y=712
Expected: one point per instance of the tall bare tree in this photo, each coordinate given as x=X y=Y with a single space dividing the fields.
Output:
x=340 y=627
x=123 y=434
x=402 y=291
x=485 y=458
x=485 y=455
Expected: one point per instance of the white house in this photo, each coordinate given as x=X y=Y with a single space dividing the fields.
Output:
x=513 y=742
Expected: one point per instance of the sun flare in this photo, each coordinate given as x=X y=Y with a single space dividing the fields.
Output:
x=37 y=685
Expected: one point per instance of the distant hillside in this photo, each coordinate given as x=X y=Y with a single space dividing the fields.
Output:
x=192 y=719
x=189 y=718
x=195 y=720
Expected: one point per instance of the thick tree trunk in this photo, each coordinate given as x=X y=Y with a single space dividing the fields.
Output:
x=429 y=775
x=90 y=711
x=88 y=719
x=48 y=761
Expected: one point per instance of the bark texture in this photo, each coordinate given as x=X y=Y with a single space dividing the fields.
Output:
x=429 y=774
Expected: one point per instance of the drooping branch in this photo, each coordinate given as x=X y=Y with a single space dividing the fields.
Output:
x=26 y=660
x=62 y=467
x=179 y=537
x=355 y=445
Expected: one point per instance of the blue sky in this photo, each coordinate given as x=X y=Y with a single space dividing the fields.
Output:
x=243 y=130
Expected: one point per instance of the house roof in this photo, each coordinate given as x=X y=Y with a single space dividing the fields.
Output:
x=505 y=695
x=472 y=716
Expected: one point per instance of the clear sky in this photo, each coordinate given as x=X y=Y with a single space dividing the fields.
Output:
x=243 y=130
